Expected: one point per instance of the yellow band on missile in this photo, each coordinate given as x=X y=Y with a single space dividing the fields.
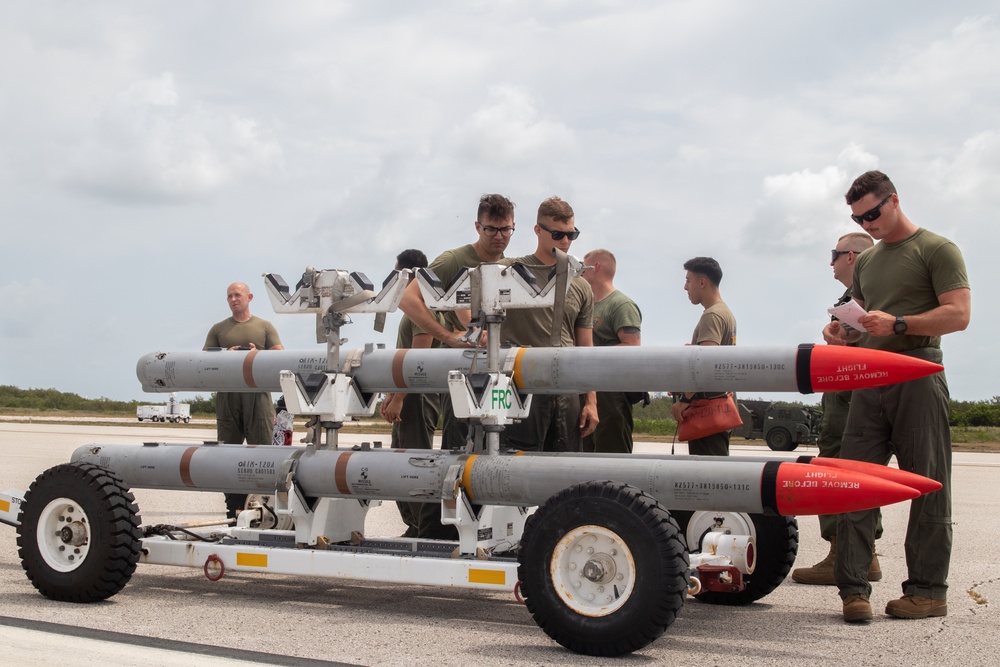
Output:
x=467 y=476
x=518 y=380
x=4 y=506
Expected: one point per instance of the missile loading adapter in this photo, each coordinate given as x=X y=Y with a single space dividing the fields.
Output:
x=590 y=542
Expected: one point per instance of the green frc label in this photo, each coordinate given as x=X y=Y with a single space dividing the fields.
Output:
x=501 y=399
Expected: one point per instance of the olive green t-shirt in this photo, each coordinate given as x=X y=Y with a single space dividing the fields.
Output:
x=446 y=267
x=717 y=325
x=230 y=333
x=407 y=330
x=612 y=313
x=905 y=278
x=531 y=326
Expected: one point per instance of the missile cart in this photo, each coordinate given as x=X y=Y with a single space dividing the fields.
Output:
x=603 y=549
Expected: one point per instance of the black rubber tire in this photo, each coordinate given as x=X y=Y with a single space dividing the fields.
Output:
x=108 y=527
x=777 y=546
x=780 y=440
x=654 y=587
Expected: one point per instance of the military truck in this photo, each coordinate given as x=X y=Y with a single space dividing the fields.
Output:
x=784 y=427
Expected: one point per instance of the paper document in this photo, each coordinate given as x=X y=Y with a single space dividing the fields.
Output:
x=849 y=314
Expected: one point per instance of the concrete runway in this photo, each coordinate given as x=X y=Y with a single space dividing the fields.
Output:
x=175 y=616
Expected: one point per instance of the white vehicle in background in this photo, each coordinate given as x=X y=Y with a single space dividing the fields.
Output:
x=172 y=412
x=153 y=413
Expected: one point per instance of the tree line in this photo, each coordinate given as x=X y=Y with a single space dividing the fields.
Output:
x=654 y=418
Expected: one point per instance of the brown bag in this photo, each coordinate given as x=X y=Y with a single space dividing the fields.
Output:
x=706 y=416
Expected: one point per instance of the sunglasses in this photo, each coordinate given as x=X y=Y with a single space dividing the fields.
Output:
x=834 y=254
x=558 y=236
x=873 y=214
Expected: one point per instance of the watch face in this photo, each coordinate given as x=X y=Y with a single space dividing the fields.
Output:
x=899 y=327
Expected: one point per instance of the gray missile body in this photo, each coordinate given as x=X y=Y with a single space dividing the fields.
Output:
x=754 y=486
x=547 y=370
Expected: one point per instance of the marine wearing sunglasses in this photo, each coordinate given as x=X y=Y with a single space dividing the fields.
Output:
x=872 y=214
x=558 y=236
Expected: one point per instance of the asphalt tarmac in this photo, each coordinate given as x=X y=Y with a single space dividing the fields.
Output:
x=174 y=616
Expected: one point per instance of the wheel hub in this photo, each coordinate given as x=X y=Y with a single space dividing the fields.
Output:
x=63 y=535
x=593 y=570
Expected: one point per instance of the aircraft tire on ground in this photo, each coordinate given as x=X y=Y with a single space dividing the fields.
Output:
x=603 y=568
x=777 y=545
x=79 y=536
x=780 y=440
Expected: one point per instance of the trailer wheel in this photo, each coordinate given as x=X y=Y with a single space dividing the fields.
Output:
x=603 y=568
x=780 y=440
x=777 y=545
x=79 y=535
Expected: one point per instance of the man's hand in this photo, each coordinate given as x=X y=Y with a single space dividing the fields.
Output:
x=835 y=334
x=878 y=323
x=588 y=419
x=391 y=407
x=677 y=411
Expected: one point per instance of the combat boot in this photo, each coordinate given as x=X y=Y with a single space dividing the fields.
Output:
x=820 y=574
x=916 y=606
x=857 y=609
x=875 y=570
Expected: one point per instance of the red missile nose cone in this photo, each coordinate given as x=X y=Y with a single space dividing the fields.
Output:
x=838 y=368
x=912 y=480
x=808 y=489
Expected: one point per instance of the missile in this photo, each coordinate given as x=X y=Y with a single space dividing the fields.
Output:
x=542 y=370
x=917 y=482
x=682 y=483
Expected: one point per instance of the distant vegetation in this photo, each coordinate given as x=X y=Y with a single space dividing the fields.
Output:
x=653 y=419
x=36 y=401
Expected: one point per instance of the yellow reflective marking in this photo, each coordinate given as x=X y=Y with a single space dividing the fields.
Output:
x=496 y=577
x=251 y=560
x=4 y=506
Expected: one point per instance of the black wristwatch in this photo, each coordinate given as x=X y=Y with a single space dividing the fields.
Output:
x=899 y=328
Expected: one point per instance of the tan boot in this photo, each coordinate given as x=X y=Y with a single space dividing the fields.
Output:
x=875 y=570
x=820 y=574
x=916 y=606
x=857 y=609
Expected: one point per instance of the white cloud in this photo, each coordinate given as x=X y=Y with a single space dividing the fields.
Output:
x=803 y=209
x=509 y=130
x=974 y=172
x=149 y=144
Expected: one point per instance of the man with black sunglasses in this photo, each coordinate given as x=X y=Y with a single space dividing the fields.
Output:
x=556 y=422
x=831 y=429
x=916 y=289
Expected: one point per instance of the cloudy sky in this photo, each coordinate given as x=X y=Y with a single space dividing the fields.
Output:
x=152 y=153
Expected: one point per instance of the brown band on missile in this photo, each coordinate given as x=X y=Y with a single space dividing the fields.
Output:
x=397 y=369
x=186 y=466
x=518 y=378
x=467 y=476
x=248 y=368
x=340 y=474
